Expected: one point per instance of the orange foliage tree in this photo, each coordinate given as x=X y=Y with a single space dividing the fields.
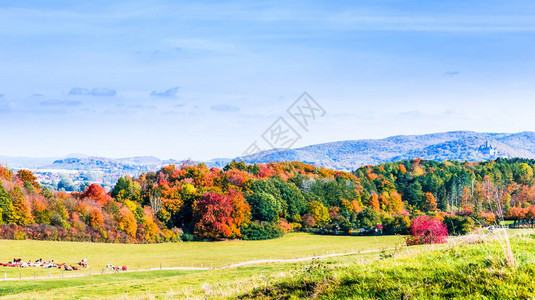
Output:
x=430 y=202
x=374 y=203
x=126 y=221
x=241 y=210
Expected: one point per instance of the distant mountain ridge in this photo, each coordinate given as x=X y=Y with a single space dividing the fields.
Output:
x=342 y=155
x=455 y=145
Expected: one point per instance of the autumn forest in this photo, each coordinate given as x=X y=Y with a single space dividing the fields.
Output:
x=263 y=201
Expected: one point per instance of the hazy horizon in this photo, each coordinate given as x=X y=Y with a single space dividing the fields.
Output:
x=71 y=155
x=204 y=80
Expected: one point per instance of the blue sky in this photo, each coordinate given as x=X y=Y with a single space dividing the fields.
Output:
x=202 y=80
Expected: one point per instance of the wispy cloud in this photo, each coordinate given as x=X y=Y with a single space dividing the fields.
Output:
x=141 y=106
x=60 y=103
x=224 y=108
x=169 y=93
x=105 y=92
x=37 y=95
x=204 y=45
x=452 y=73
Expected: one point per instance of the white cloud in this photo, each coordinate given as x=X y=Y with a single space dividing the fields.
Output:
x=93 y=92
x=169 y=93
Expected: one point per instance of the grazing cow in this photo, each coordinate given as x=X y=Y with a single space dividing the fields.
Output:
x=110 y=267
x=121 y=268
x=83 y=263
x=17 y=260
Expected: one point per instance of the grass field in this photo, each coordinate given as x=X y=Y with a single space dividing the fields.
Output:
x=179 y=254
x=166 y=284
x=457 y=270
x=475 y=269
x=472 y=270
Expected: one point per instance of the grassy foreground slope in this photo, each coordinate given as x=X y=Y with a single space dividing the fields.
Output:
x=462 y=271
x=469 y=271
x=180 y=254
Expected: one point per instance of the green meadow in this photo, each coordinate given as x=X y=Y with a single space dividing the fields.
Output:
x=184 y=254
x=471 y=268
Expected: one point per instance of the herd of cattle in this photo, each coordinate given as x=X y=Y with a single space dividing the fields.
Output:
x=48 y=264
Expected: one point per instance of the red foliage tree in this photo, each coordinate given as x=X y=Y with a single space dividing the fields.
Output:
x=427 y=230
x=97 y=193
x=213 y=216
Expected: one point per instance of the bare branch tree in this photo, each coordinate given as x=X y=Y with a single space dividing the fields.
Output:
x=156 y=202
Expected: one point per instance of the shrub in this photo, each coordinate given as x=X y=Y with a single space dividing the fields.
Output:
x=459 y=225
x=396 y=224
x=19 y=235
x=427 y=230
x=308 y=222
x=188 y=237
x=338 y=223
x=285 y=226
x=261 y=231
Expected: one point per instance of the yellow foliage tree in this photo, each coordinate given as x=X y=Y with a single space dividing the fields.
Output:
x=319 y=212
x=396 y=201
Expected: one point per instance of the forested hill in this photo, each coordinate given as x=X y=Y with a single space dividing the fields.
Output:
x=264 y=201
x=458 y=145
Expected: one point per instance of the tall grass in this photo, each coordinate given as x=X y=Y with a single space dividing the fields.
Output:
x=473 y=268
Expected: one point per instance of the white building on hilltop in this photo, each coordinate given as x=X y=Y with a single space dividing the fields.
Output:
x=488 y=150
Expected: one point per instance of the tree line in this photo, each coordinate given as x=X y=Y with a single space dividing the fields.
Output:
x=261 y=201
